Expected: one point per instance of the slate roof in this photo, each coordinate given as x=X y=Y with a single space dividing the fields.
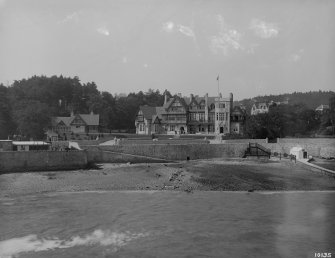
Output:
x=89 y=119
x=199 y=99
x=148 y=111
x=168 y=103
x=65 y=119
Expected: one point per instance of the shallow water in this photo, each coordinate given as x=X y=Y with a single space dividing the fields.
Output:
x=168 y=224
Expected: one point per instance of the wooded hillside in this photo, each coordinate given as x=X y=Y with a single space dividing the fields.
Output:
x=26 y=107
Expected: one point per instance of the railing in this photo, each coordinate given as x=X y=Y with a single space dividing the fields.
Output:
x=258 y=150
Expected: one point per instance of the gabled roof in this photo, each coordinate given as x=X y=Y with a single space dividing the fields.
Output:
x=170 y=101
x=198 y=99
x=258 y=105
x=155 y=119
x=90 y=119
x=237 y=110
x=61 y=119
x=148 y=111
x=322 y=107
x=160 y=111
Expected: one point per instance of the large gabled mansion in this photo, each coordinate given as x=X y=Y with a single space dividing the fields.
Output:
x=189 y=115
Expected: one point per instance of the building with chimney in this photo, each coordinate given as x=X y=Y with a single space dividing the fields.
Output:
x=73 y=124
x=191 y=115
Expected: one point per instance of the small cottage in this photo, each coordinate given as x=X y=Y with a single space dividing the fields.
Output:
x=299 y=153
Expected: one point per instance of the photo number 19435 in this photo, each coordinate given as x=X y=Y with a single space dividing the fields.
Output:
x=322 y=255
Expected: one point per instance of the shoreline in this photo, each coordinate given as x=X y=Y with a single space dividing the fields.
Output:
x=196 y=175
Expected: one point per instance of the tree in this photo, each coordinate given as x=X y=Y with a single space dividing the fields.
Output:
x=32 y=118
x=6 y=123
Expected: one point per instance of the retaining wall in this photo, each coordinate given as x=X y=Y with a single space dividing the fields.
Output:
x=15 y=161
x=169 y=152
x=318 y=147
x=97 y=155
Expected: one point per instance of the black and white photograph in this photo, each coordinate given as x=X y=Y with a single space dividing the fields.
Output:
x=156 y=128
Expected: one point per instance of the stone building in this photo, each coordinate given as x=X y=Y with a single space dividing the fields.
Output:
x=191 y=115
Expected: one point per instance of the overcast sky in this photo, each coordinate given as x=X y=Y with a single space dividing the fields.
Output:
x=257 y=47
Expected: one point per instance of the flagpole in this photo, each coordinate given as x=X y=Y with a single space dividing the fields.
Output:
x=218 y=79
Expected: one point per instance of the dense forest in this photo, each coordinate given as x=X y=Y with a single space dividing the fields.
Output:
x=26 y=108
x=291 y=120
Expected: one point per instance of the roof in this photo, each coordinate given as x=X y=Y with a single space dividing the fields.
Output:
x=237 y=109
x=322 y=107
x=173 y=99
x=297 y=148
x=168 y=103
x=30 y=143
x=148 y=111
x=258 y=105
x=199 y=99
x=65 y=119
x=89 y=119
x=159 y=112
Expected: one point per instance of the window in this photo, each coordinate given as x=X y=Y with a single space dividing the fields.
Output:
x=222 y=105
x=192 y=116
x=221 y=116
x=172 y=127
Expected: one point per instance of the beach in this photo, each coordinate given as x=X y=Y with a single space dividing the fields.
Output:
x=199 y=175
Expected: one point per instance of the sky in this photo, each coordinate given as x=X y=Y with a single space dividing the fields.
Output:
x=257 y=47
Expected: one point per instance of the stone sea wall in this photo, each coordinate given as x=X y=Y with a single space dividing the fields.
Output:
x=318 y=147
x=169 y=152
x=16 y=161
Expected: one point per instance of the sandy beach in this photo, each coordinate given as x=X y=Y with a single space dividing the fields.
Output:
x=205 y=175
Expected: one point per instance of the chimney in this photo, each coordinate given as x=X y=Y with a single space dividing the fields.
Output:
x=92 y=113
x=191 y=97
x=165 y=98
x=179 y=95
x=231 y=101
x=220 y=95
x=72 y=113
x=206 y=107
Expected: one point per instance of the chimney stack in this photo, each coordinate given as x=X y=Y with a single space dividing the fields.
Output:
x=165 y=98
